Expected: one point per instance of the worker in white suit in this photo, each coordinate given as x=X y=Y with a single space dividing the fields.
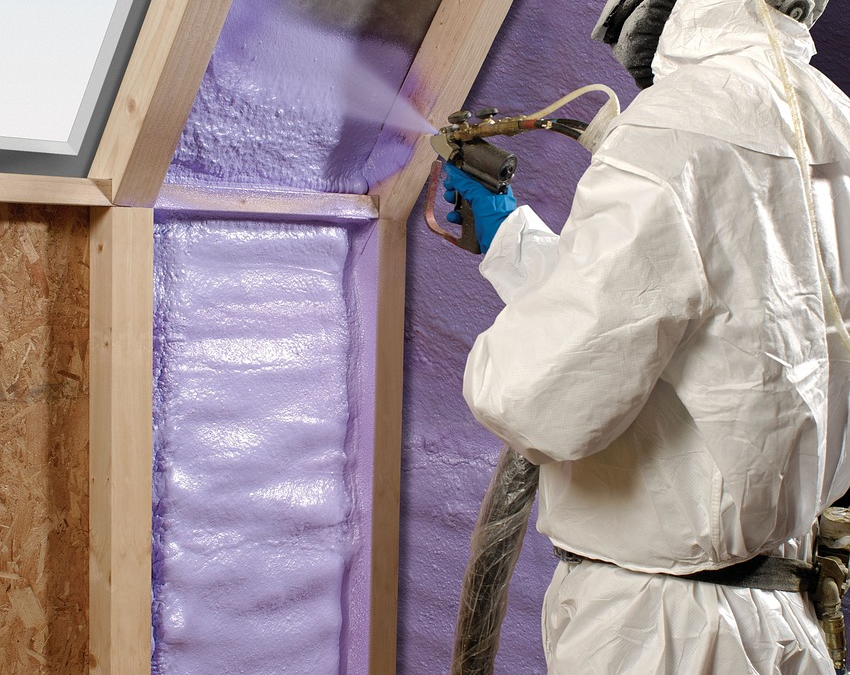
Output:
x=676 y=360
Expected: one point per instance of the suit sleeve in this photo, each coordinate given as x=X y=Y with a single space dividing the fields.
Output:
x=521 y=254
x=574 y=355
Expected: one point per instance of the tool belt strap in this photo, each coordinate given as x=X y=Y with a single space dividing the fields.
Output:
x=766 y=573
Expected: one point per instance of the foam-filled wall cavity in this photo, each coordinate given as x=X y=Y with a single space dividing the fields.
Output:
x=254 y=524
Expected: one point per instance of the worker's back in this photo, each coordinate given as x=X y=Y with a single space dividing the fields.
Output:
x=675 y=369
x=741 y=443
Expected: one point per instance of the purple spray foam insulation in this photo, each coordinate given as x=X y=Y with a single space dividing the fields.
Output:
x=255 y=518
x=291 y=102
x=269 y=114
x=264 y=397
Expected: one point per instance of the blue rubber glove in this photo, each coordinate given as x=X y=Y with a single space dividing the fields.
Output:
x=489 y=209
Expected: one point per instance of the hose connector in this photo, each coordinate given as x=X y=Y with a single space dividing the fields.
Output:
x=832 y=560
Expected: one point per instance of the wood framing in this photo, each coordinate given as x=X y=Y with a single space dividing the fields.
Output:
x=18 y=188
x=438 y=82
x=156 y=95
x=228 y=202
x=121 y=350
x=150 y=112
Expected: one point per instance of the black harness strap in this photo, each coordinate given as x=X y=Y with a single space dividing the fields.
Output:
x=764 y=572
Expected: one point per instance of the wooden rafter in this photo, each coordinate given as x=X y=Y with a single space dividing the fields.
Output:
x=156 y=95
x=18 y=188
x=266 y=202
x=438 y=83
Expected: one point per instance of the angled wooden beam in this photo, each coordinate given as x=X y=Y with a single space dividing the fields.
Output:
x=224 y=201
x=438 y=83
x=120 y=451
x=156 y=95
x=16 y=188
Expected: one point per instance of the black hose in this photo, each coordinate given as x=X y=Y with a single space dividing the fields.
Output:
x=498 y=535
x=572 y=128
x=494 y=550
x=566 y=130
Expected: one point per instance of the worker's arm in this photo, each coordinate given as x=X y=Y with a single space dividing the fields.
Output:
x=521 y=255
x=569 y=362
x=520 y=249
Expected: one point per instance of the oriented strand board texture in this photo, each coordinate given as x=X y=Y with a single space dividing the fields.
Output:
x=43 y=440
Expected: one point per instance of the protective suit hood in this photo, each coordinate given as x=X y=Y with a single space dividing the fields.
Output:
x=725 y=45
x=633 y=27
x=701 y=30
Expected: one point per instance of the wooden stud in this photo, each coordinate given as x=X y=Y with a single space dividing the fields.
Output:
x=121 y=440
x=18 y=188
x=156 y=95
x=386 y=486
x=437 y=84
x=223 y=201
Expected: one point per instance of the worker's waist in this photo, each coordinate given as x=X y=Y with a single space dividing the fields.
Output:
x=763 y=572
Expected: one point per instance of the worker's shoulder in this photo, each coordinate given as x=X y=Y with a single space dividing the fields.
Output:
x=660 y=153
x=702 y=108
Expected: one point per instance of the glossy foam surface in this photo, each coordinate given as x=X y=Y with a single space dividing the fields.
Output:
x=252 y=510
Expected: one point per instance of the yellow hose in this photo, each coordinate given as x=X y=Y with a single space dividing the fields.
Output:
x=560 y=103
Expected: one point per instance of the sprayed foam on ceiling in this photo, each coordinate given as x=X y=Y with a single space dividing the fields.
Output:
x=296 y=94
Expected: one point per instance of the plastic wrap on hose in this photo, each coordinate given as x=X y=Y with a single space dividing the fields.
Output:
x=495 y=547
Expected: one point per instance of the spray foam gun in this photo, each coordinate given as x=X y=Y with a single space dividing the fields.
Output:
x=463 y=145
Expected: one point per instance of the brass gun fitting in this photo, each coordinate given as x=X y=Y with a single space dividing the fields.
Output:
x=450 y=138
x=462 y=144
x=832 y=560
x=508 y=126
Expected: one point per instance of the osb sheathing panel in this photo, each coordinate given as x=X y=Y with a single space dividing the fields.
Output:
x=44 y=440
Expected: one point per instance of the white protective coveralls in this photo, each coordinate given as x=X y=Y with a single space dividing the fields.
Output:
x=669 y=362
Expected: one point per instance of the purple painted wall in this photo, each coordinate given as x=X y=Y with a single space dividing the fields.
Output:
x=272 y=113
